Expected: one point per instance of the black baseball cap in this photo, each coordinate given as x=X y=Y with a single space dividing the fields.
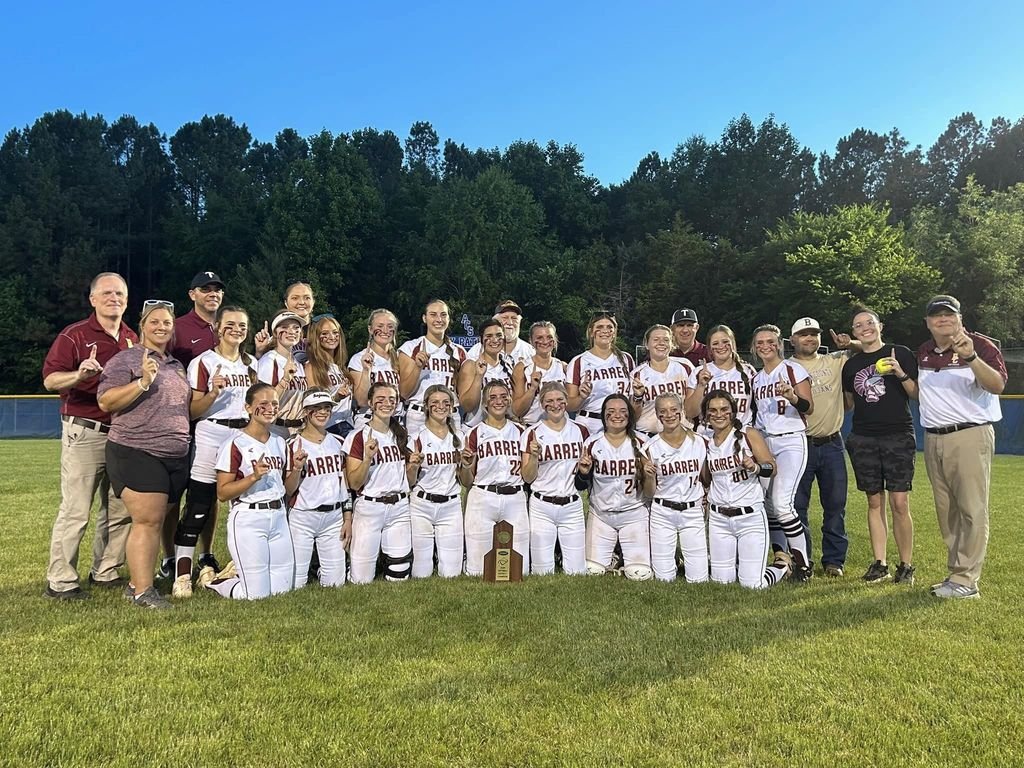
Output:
x=942 y=303
x=206 y=278
x=684 y=316
x=508 y=306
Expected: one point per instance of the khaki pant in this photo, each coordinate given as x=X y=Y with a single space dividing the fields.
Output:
x=959 y=467
x=82 y=474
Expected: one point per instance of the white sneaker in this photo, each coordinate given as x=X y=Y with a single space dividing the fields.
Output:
x=206 y=575
x=182 y=587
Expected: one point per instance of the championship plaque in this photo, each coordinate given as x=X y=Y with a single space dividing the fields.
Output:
x=503 y=563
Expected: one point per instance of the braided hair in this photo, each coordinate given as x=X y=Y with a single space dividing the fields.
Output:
x=453 y=360
x=740 y=366
x=737 y=425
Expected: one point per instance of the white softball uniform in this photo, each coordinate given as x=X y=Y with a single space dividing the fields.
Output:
x=617 y=509
x=316 y=511
x=672 y=380
x=606 y=376
x=258 y=536
x=500 y=372
x=554 y=372
x=271 y=369
x=523 y=350
x=342 y=412
x=443 y=363
x=497 y=494
x=382 y=370
x=732 y=382
x=556 y=509
x=436 y=507
x=737 y=525
x=380 y=516
x=784 y=430
x=226 y=415
x=677 y=511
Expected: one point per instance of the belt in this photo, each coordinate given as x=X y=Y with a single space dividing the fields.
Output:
x=327 y=507
x=817 y=441
x=233 y=423
x=678 y=506
x=436 y=498
x=501 y=490
x=391 y=498
x=276 y=504
x=415 y=407
x=289 y=422
x=589 y=414
x=732 y=511
x=81 y=421
x=559 y=500
x=783 y=434
x=954 y=428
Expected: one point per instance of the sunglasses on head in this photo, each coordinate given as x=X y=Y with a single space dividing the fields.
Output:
x=324 y=316
x=602 y=314
x=151 y=304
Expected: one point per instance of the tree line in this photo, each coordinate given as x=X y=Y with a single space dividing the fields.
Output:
x=749 y=228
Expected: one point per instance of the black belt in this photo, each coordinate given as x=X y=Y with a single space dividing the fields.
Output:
x=954 y=428
x=819 y=441
x=80 y=421
x=391 y=498
x=732 y=511
x=436 y=498
x=415 y=407
x=678 y=506
x=276 y=504
x=289 y=422
x=233 y=423
x=589 y=414
x=559 y=500
x=501 y=490
x=327 y=507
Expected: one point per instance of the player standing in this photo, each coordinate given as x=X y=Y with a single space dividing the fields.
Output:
x=600 y=371
x=430 y=360
x=530 y=375
x=492 y=365
x=725 y=371
x=279 y=368
x=660 y=375
x=326 y=358
x=377 y=363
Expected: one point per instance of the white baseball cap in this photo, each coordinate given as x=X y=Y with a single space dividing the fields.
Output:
x=317 y=397
x=805 y=324
x=282 y=317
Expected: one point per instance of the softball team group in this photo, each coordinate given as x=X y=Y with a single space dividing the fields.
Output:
x=364 y=459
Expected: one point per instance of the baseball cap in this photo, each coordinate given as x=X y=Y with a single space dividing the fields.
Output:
x=942 y=303
x=315 y=397
x=206 y=278
x=281 y=317
x=805 y=324
x=684 y=316
x=508 y=306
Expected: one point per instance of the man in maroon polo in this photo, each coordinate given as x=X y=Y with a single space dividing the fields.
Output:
x=194 y=333
x=72 y=368
x=684 y=333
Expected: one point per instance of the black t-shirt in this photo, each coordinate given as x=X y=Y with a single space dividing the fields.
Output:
x=880 y=404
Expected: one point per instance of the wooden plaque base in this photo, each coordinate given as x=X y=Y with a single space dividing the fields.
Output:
x=503 y=563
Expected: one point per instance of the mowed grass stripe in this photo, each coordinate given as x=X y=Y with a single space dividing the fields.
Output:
x=556 y=671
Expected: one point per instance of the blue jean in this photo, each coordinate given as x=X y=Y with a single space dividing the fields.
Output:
x=827 y=463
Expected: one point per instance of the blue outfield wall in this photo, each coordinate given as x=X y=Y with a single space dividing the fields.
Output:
x=39 y=416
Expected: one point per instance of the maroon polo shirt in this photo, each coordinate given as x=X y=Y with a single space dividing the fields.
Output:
x=192 y=337
x=70 y=348
x=698 y=354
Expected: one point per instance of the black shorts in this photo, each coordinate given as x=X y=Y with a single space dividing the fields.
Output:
x=142 y=472
x=882 y=463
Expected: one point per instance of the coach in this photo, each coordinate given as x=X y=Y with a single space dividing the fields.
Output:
x=72 y=368
x=194 y=333
x=510 y=315
x=684 y=333
x=961 y=375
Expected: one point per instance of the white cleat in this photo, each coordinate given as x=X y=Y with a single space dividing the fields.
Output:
x=182 y=588
x=206 y=576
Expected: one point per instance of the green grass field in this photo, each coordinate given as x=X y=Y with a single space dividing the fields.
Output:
x=584 y=671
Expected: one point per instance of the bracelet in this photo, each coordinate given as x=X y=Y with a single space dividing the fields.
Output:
x=971 y=359
x=144 y=389
x=638 y=398
x=904 y=377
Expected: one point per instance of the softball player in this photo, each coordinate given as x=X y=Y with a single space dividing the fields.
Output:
x=298 y=299
x=660 y=375
x=600 y=371
x=492 y=470
x=510 y=316
x=492 y=365
x=737 y=525
x=678 y=456
x=255 y=471
x=551 y=451
x=782 y=393
x=530 y=375
x=436 y=505
x=377 y=363
x=726 y=371
x=320 y=511
x=219 y=379
x=430 y=360
x=615 y=466
x=376 y=467
x=279 y=368
x=326 y=358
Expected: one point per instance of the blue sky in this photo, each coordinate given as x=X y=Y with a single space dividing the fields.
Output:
x=617 y=83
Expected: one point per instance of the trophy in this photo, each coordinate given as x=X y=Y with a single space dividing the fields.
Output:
x=503 y=563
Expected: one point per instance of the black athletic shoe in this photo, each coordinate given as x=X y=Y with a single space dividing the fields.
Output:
x=209 y=560
x=75 y=593
x=904 y=574
x=877 y=572
x=166 y=568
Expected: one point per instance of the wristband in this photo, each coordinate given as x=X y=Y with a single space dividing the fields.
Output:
x=971 y=359
x=766 y=470
x=801 y=405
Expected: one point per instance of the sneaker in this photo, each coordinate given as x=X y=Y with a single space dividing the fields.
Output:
x=904 y=574
x=152 y=599
x=182 y=588
x=940 y=585
x=209 y=561
x=166 y=568
x=951 y=590
x=115 y=583
x=129 y=591
x=876 y=572
x=75 y=593
x=834 y=571
x=206 y=575
x=802 y=574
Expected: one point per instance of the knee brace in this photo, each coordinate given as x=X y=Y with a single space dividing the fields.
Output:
x=397 y=568
x=201 y=496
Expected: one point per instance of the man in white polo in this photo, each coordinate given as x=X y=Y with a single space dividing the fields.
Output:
x=961 y=375
x=510 y=315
